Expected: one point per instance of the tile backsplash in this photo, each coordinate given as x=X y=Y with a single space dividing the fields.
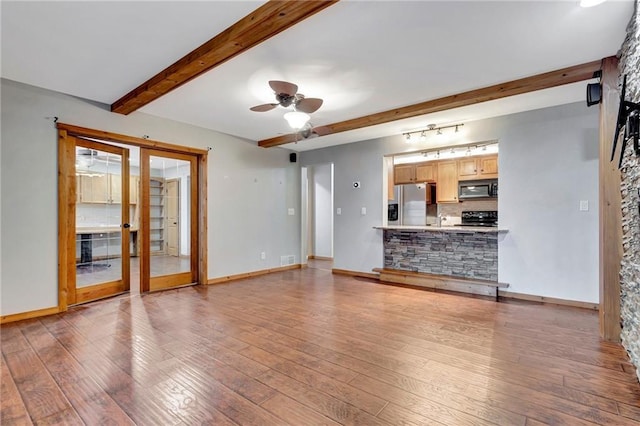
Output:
x=454 y=210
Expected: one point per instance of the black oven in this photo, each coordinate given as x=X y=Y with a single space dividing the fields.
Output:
x=480 y=218
x=472 y=189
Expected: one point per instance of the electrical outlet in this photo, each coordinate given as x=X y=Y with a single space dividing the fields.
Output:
x=584 y=205
x=291 y=212
x=263 y=256
x=338 y=211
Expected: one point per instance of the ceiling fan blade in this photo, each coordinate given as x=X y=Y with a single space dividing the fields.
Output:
x=283 y=87
x=321 y=130
x=263 y=107
x=309 y=105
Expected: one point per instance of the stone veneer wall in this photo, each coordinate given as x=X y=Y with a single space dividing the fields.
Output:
x=459 y=254
x=630 y=267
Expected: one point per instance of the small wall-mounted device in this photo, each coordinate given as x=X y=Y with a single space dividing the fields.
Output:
x=594 y=94
x=594 y=90
x=356 y=185
x=629 y=119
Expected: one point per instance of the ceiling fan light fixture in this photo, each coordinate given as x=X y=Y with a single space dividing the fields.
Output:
x=297 y=119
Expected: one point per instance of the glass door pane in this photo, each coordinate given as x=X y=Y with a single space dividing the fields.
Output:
x=100 y=213
x=170 y=216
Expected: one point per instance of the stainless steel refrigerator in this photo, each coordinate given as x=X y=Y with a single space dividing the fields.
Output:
x=415 y=205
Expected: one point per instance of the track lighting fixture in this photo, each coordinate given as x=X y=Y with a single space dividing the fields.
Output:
x=433 y=127
x=448 y=152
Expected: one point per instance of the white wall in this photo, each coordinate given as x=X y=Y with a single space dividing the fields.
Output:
x=548 y=163
x=322 y=205
x=249 y=191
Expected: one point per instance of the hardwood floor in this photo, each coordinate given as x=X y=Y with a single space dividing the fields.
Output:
x=305 y=347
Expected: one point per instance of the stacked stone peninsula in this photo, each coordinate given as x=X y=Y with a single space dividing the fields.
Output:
x=451 y=251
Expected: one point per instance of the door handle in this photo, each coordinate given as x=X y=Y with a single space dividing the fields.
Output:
x=126 y=225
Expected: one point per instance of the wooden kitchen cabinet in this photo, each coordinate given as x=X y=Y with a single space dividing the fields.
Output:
x=426 y=172
x=447 y=186
x=115 y=189
x=404 y=173
x=467 y=168
x=414 y=173
x=102 y=189
x=485 y=167
x=94 y=188
x=489 y=167
x=134 y=185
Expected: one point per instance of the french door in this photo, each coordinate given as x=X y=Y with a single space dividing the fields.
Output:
x=100 y=262
x=120 y=213
x=169 y=224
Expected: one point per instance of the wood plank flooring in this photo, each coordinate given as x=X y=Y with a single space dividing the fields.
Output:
x=305 y=347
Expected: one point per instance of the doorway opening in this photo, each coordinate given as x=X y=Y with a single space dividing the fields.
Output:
x=317 y=218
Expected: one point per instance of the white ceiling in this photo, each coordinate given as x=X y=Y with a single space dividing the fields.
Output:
x=361 y=57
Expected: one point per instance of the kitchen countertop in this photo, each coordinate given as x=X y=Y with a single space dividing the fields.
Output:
x=466 y=229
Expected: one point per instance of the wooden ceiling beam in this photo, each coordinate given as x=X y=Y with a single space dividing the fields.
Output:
x=515 y=87
x=263 y=23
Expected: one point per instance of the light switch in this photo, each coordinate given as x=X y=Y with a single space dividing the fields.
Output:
x=338 y=211
x=584 y=205
x=363 y=211
x=291 y=211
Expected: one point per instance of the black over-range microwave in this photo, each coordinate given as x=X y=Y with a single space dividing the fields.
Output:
x=471 y=189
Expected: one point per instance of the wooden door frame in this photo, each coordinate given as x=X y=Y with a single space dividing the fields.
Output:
x=67 y=198
x=171 y=280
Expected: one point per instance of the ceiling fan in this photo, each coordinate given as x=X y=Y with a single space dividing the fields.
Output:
x=287 y=95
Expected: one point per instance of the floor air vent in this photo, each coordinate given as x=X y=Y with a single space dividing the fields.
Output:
x=287 y=260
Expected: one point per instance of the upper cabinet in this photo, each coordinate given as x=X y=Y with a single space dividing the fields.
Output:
x=404 y=173
x=94 y=188
x=134 y=186
x=115 y=189
x=485 y=167
x=105 y=189
x=414 y=173
x=447 y=185
x=426 y=172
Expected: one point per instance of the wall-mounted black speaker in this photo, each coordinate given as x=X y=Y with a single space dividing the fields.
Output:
x=293 y=157
x=594 y=93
